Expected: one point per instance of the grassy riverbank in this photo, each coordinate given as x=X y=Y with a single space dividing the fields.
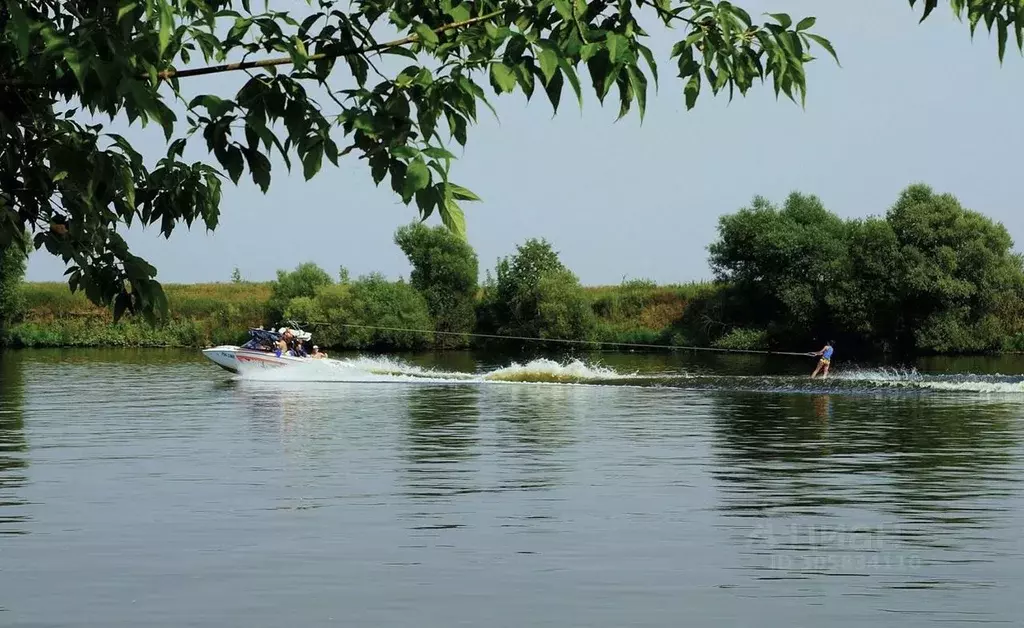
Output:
x=200 y=314
x=215 y=313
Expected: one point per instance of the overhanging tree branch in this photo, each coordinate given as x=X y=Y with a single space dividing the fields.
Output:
x=266 y=63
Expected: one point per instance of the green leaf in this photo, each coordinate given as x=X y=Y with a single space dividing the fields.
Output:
x=166 y=24
x=460 y=193
x=22 y=29
x=554 y=89
x=525 y=78
x=826 y=44
x=405 y=152
x=602 y=75
x=649 y=57
x=574 y=81
x=128 y=185
x=806 y=23
x=503 y=78
x=121 y=303
x=929 y=6
x=692 y=90
x=379 y=167
x=312 y=161
x=1001 y=34
x=437 y=153
x=639 y=83
x=783 y=19
x=452 y=217
x=300 y=57
x=426 y=35
x=259 y=166
x=617 y=44
x=399 y=51
x=459 y=13
x=564 y=9
x=417 y=176
x=125 y=9
x=548 y=63
x=78 y=67
x=589 y=50
x=427 y=199
x=233 y=162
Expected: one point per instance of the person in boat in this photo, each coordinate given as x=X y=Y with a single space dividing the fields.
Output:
x=825 y=359
x=297 y=350
x=317 y=353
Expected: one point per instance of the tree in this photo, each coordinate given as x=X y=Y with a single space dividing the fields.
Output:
x=931 y=276
x=305 y=281
x=445 y=271
x=535 y=295
x=72 y=185
x=960 y=277
x=12 y=271
x=379 y=311
x=782 y=263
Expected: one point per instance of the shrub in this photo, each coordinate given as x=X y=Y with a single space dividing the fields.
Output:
x=377 y=303
x=563 y=308
x=305 y=281
x=444 y=271
x=511 y=302
x=743 y=338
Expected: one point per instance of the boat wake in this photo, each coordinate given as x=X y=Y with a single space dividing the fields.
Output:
x=384 y=369
x=545 y=371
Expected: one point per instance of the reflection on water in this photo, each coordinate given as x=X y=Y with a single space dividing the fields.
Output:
x=13 y=445
x=905 y=492
x=163 y=491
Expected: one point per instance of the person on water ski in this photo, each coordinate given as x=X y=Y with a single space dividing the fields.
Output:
x=825 y=361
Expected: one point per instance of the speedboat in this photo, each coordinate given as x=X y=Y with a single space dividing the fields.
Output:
x=259 y=353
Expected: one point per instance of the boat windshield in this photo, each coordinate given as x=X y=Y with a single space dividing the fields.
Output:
x=266 y=340
x=261 y=340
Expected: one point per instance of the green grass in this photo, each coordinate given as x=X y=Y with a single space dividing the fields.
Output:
x=201 y=315
x=215 y=313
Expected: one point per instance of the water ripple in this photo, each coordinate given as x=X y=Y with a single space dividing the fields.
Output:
x=131 y=484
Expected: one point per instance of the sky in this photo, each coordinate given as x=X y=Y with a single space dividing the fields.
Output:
x=626 y=200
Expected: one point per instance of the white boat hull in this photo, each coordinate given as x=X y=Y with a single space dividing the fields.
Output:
x=241 y=361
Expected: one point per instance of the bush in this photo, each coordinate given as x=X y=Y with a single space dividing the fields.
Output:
x=535 y=296
x=377 y=303
x=444 y=271
x=563 y=308
x=305 y=281
x=742 y=338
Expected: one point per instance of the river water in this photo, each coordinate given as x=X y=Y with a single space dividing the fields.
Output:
x=151 y=488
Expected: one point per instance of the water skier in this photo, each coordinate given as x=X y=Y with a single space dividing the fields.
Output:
x=825 y=361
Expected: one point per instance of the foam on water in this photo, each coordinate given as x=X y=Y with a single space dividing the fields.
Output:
x=378 y=369
x=545 y=371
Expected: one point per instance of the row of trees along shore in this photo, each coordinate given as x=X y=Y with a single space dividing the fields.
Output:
x=927 y=277
x=316 y=90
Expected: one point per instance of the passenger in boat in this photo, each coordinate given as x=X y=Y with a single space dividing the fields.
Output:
x=317 y=353
x=297 y=350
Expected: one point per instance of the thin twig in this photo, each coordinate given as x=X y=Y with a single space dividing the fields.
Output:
x=668 y=15
x=264 y=63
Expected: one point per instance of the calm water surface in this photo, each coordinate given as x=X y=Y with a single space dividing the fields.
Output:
x=151 y=488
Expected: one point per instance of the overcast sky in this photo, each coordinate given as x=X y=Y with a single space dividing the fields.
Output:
x=910 y=103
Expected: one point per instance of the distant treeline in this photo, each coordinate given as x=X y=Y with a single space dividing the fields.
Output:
x=928 y=277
